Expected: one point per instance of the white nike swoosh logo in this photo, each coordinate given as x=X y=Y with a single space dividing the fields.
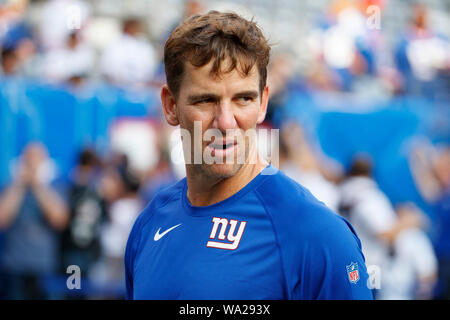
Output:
x=160 y=235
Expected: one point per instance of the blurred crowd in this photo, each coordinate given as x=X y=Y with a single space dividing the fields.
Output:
x=346 y=48
x=48 y=223
x=402 y=260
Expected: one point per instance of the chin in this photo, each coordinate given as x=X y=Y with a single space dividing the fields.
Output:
x=221 y=171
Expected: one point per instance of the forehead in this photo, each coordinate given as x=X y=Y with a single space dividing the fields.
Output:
x=200 y=79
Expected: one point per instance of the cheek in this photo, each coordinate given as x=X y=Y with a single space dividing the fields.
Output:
x=247 y=117
x=188 y=118
x=190 y=115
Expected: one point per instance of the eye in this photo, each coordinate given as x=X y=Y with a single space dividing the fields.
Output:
x=244 y=100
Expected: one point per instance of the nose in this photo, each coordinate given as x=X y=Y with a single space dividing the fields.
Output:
x=224 y=117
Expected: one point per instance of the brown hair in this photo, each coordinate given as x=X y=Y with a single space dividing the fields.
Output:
x=217 y=36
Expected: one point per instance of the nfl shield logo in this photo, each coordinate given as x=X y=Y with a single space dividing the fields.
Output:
x=353 y=273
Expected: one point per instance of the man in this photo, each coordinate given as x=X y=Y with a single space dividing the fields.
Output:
x=233 y=229
x=32 y=213
x=80 y=241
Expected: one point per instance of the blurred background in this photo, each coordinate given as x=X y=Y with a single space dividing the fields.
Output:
x=360 y=91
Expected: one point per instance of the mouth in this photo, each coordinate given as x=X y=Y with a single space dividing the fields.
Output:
x=222 y=146
x=222 y=149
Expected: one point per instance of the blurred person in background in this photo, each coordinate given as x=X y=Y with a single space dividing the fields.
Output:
x=191 y=7
x=18 y=58
x=10 y=62
x=80 y=241
x=120 y=187
x=411 y=270
x=298 y=161
x=430 y=167
x=70 y=64
x=159 y=177
x=32 y=214
x=388 y=239
x=423 y=56
x=16 y=39
x=13 y=26
x=131 y=60
x=280 y=72
x=11 y=13
x=345 y=51
x=58 y=19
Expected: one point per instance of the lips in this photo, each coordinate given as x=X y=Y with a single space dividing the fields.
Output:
x=222 y=146
x=222 y=149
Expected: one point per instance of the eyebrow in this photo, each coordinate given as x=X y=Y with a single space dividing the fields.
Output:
x=199 y=97
x=250 y=93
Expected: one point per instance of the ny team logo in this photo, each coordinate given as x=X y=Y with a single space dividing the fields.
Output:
x=233 y=237
x=353 y=272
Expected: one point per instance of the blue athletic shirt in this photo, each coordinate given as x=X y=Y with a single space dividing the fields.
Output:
x=270 y=240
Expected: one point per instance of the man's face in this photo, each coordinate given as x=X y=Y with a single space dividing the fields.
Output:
x=230 y=105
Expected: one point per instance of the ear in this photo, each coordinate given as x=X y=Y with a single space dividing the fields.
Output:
x=169 y=106
x=263 y=107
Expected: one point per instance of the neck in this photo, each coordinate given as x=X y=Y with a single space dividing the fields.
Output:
x=204 y=191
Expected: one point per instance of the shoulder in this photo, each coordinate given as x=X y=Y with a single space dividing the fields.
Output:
x=316 y=244
x=279 y=186
x=299 y=218
x=290 y=204
x=161 y=199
